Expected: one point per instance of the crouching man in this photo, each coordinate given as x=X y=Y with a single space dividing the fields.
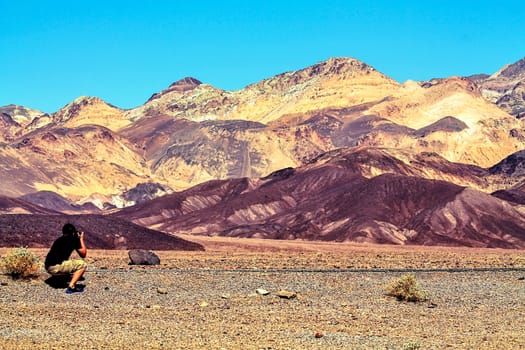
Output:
x=58 y=262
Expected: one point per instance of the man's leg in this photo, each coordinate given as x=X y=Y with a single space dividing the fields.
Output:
x=76 y=276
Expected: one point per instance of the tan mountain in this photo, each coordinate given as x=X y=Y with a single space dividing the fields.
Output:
x=21 y=115
x=13 y=119
x=73 y=162
x=90 y=110
x=488 y=135
x=191 y=132
x=335 y=83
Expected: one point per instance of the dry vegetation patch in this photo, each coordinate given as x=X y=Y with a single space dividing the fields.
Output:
x=406 y=288
x=20 y=263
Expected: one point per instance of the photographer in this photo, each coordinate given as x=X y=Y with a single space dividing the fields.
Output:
x=58 y=262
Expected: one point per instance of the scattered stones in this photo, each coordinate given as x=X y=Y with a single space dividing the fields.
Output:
x=162 y=290
x=143 y=257
x=286 y=294
x=262 y=291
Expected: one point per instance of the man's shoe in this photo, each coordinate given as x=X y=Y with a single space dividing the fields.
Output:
x=77 y=289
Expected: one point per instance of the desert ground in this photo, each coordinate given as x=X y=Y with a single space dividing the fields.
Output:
x=213 y=300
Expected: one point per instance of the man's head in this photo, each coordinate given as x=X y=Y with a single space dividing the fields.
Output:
x=69 y=229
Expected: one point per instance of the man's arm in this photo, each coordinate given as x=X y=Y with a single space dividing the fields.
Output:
x=82 y=251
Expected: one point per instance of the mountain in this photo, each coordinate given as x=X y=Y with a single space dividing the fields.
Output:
x=20 y=114
x=90 y=110
x=192 y=132
x=506 y=88
x=73 y=162
x=13 y=119
x=195 y=158
x=331 y=200
x=200 y=133
x=335 y=83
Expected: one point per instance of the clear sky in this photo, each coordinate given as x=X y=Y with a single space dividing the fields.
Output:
x=51 y=52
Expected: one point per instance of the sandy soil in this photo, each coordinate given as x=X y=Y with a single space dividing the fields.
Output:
x=209 y=300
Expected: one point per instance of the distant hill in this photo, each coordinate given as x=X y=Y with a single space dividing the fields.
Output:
x=331 y=200
x=25 y=224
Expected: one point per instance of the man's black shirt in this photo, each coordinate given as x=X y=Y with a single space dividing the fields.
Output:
x=62 y=249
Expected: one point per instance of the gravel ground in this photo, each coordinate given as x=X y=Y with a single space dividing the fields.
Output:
x=186 y=304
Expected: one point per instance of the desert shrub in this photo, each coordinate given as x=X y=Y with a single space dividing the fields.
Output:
x=406 y=288
x=20 y=263
x=411 y=346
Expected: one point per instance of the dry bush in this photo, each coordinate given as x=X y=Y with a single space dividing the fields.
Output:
x=411 y=346
x=20 y=263
x=406 y=288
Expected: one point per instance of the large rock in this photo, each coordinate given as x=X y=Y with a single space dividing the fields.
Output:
x=143 y=257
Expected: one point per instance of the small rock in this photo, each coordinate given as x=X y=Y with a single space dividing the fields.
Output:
x=162 y=290
x=319 y=335
x=521 y=279
x=4 y=284
x=143 y=257
x=203 y=304
x=262 y=291
x=156 y=307
x=432 y=305
x=226 y=296
x=286 y=294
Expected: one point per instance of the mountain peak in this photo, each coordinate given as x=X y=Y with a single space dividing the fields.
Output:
x=512 y=71
x=343 y=68
x=81 y=102
x=182 y=85
x=186 y=83
x=338 y=65
x=90 y=110
x=84 y=100
x=515 y=70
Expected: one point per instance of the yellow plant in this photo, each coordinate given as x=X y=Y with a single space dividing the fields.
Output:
x=20 y=263
x=406 y=288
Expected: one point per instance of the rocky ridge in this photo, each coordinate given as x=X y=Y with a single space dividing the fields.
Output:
x=506 y=88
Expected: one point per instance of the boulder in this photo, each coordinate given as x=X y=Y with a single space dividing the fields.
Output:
x=143 y=257
x=286 y=294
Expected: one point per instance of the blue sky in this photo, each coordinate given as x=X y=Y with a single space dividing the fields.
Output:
x=124 y=51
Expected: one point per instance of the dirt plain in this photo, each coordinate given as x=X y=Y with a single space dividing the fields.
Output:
x=209 y=300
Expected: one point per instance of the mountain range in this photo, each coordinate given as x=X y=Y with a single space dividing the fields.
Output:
x=336 y=151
